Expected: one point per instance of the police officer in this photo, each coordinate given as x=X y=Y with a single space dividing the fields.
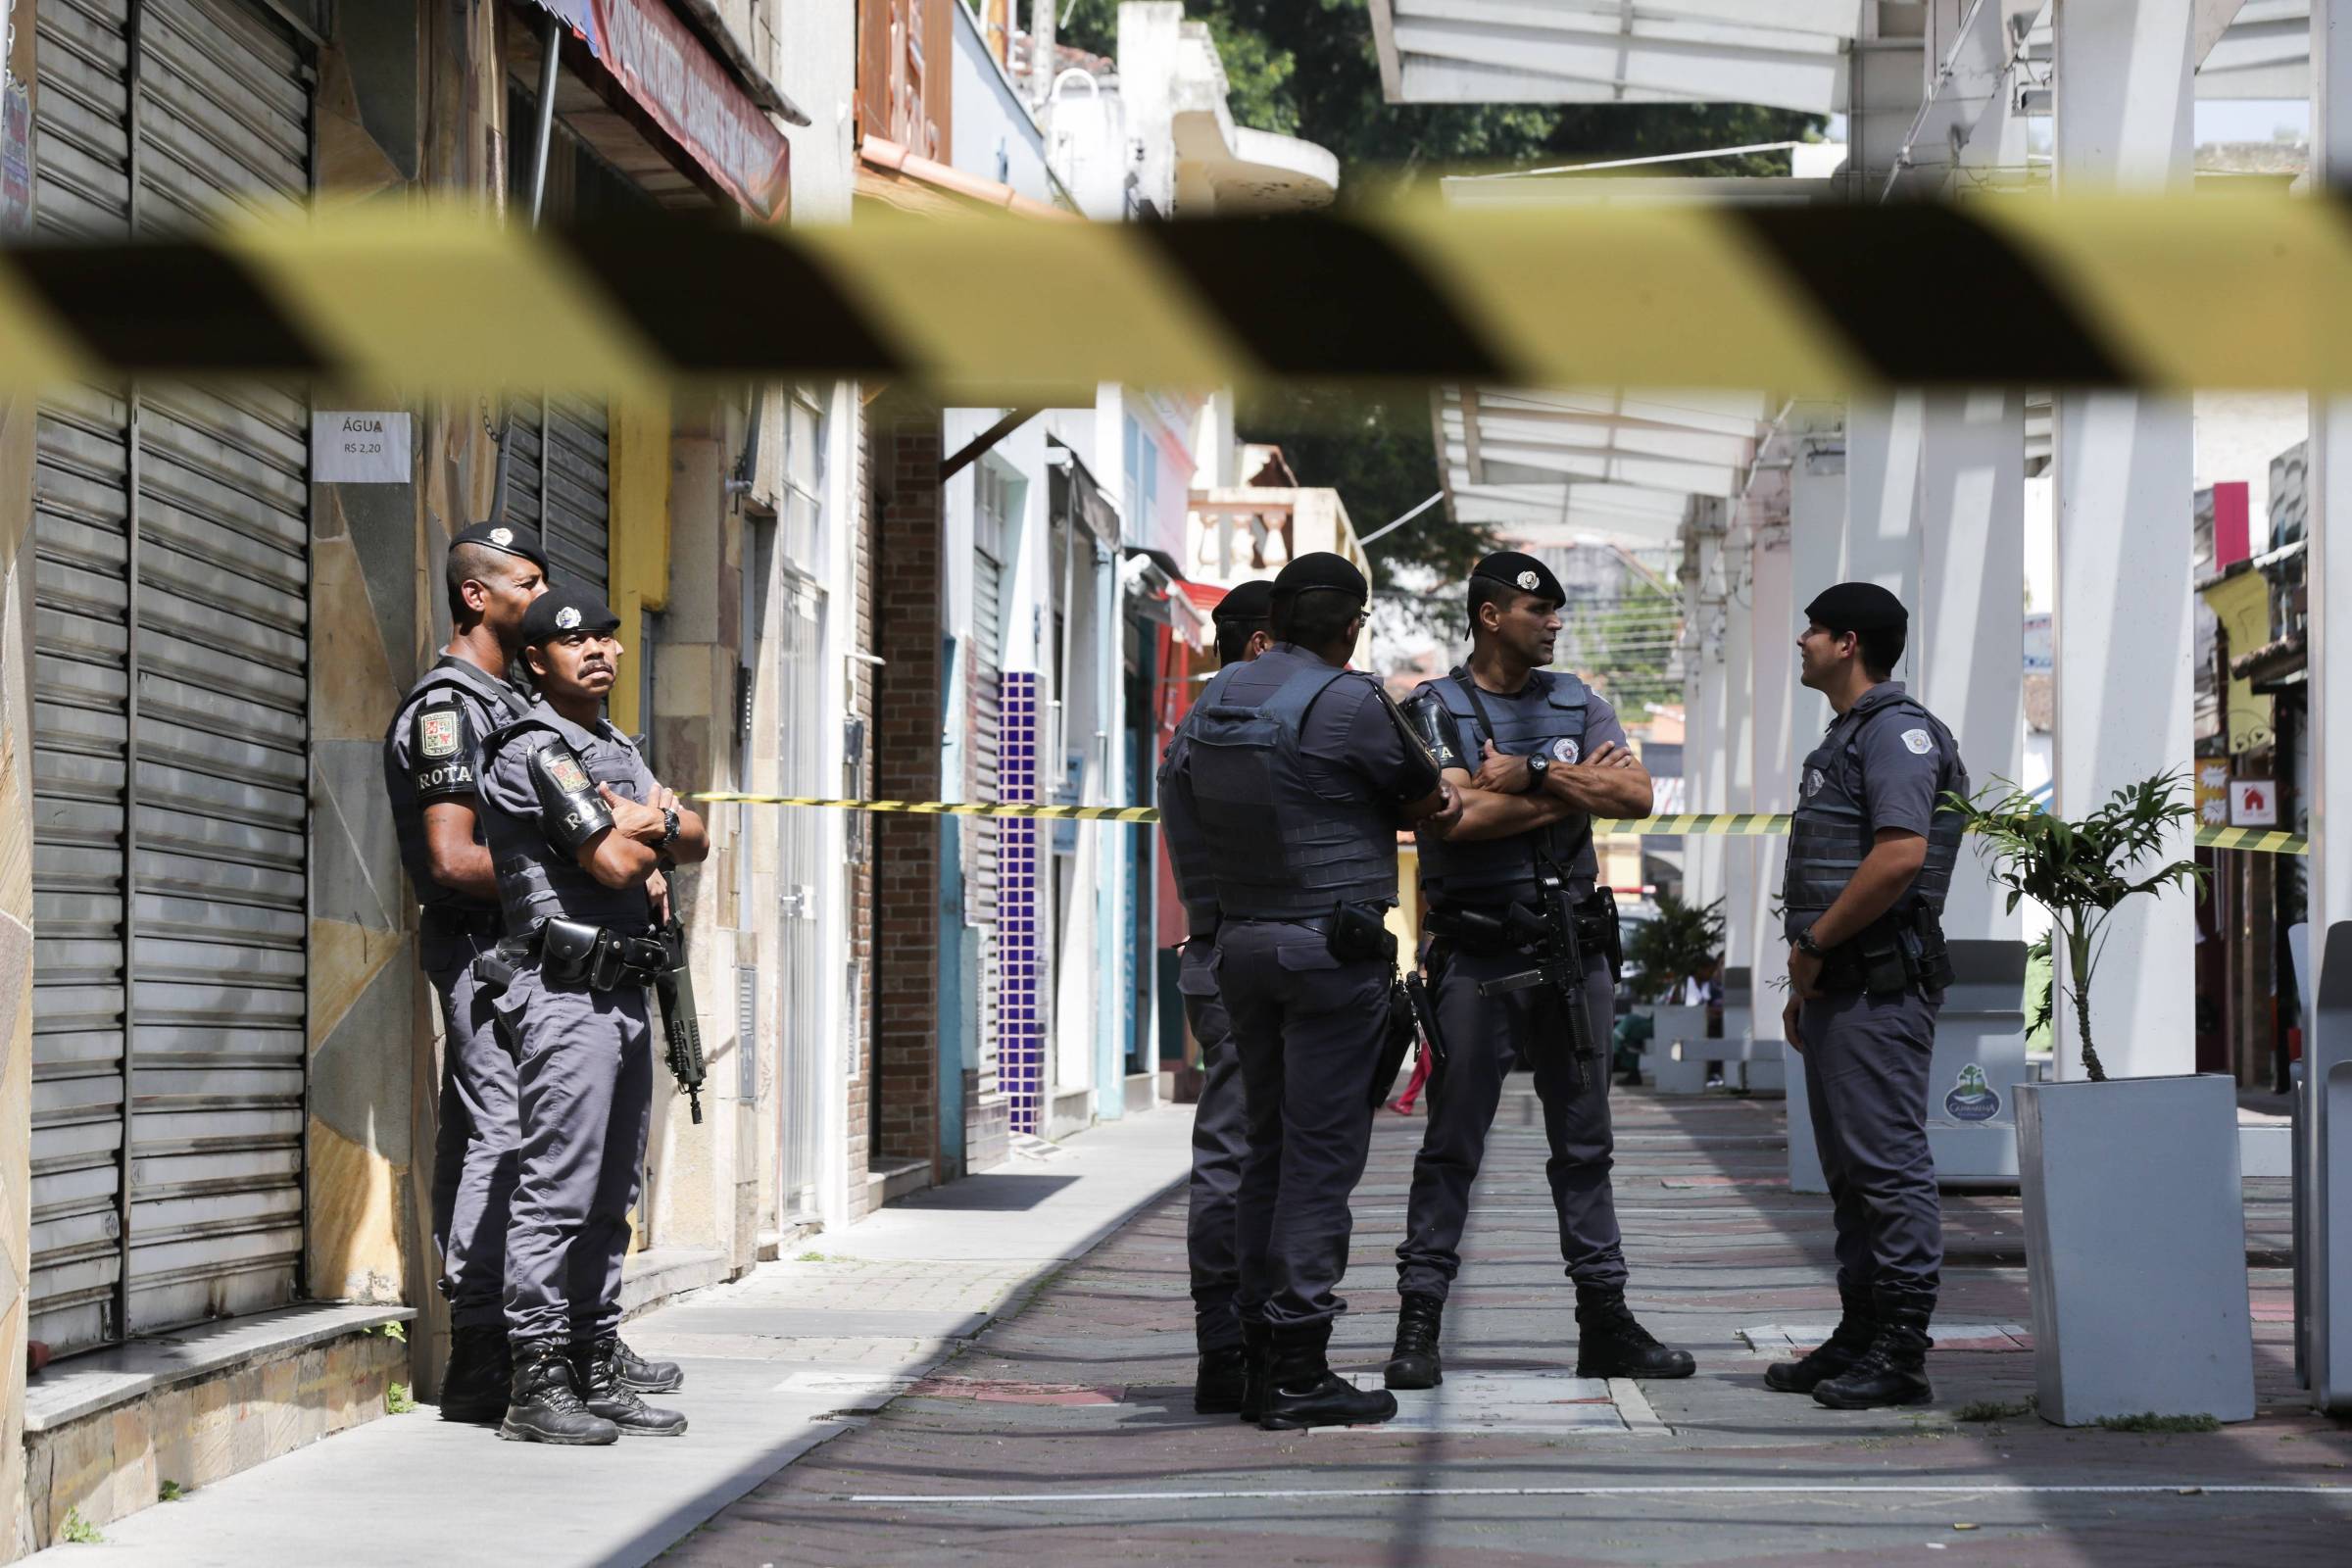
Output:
x=1299 y=772
x=579 y=833
x=493 y=574
x=1870 y=859
x=1219 y=1119
x=1535 y=756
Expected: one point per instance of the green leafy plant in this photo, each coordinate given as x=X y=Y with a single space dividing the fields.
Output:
x=1673 y=946
x=2082 y=871
x=79 y=1531
x=169 y=1492
x=392 y=1331
x=397 y=1401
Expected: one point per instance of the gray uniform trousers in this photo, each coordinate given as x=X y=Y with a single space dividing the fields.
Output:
x=473 y=1152
x=1866 y=1082
x=584 y=1093
x=1483 y=1036
x=1220 y=1144
x=1308 y=1029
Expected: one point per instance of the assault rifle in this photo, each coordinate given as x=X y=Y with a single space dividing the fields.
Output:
x=673 y=983
x=1550 y=929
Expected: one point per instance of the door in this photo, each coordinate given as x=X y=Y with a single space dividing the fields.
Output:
x=984 y=879
x=170 y=728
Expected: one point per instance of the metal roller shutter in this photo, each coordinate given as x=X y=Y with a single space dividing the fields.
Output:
x=193 y=858
x=574 y=513
x=988 y=702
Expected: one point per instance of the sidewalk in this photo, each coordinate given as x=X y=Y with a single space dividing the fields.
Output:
x=1066 y=1434
x=776 y=1363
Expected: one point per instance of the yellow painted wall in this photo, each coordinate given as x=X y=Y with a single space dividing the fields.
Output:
x=639 y=437
x=2242 y=604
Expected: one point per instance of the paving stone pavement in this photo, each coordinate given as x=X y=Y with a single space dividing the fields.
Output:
x=1065 y=1433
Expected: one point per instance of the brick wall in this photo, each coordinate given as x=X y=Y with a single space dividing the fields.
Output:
x=910 y=609
x=859 y=1117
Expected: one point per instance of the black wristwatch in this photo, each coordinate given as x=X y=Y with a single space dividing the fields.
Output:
x=670 y=826
x=1804 y=943
x=1537 y=766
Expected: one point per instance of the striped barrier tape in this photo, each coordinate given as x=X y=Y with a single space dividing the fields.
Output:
x=375 y=300
x=1693 y=825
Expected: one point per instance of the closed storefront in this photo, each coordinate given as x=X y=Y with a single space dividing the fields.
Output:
x=171 y=733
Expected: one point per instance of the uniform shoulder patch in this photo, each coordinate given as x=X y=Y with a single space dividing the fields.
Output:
x=437 y=732
x=563 y=769
x=1918 y=741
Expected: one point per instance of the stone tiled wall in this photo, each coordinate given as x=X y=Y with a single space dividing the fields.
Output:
x=378 y=617
x=910 y=609
x=115 y=1462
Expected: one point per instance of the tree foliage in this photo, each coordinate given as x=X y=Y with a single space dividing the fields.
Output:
x=1308 y=68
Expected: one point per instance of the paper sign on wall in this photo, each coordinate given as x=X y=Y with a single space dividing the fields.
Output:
x=360 y=448
x=2253 y=802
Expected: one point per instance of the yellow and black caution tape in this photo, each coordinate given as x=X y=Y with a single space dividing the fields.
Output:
x=1689 y=824
x=1701 y=824
x=2258 y=840
x=1083 y=813
x=2242 y=291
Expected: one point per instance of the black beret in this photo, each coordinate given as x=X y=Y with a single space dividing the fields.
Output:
x=1525 y=573
x=1320 y=569
x=1251 y=600
x=514 y=541
x=565 y=609
x=1857 y=607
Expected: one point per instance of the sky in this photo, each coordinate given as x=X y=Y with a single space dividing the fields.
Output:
x=2218 y=120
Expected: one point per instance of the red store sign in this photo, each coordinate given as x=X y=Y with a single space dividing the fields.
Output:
x=661 y=63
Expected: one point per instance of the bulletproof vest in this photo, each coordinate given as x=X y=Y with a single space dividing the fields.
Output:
x=1188 y=845
x=1280 y=849
x=1830 y=833
x=481 y=703
x=1547 y=717
x=535 y=879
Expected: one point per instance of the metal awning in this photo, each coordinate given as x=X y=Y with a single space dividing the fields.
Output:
x=656 y=74
x=1782 y=54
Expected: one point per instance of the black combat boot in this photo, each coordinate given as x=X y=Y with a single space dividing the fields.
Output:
x=1219 y=1387
x=475 y=1381
x=1304 y=1391
x=649 y=1377
x=597 y=1365
x=1413 y=1361
x=1836 y=1354
x=1892 y=1371
x=545 y=1406
x=1258 y=1368
x=1610 y=1343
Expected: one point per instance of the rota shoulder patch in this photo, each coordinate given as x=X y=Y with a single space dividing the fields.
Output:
x=564 y=769
x=437 y=732
x=1918 y=740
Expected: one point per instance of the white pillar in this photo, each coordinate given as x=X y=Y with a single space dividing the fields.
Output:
x=2125 y=465
x=1773 y=644
x=1882 y=494
x=1739 y=725
x=1968 y=627
x=1703 y=770
x=2328 y=488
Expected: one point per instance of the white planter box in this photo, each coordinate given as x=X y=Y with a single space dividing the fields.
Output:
x=2135 y=1248
x=1675 y=1061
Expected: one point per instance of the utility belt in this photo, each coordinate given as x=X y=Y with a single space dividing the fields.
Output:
x=1352 y=932
x=1895 y=953
x=1497 y=927
x=574 y=952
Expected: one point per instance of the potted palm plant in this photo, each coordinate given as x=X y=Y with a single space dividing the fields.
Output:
x=2135 y=1240
x=1684 y=943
